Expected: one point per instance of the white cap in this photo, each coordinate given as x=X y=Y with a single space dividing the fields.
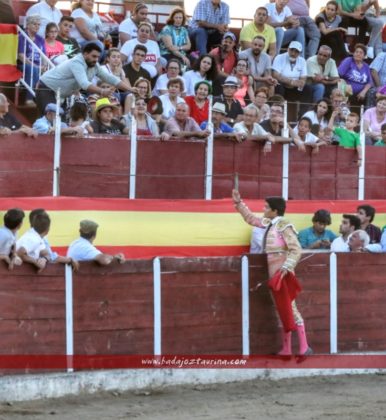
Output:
x=296 y=45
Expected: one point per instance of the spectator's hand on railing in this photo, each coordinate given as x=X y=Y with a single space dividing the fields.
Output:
x=164 y=136
x=204 y=134
x=120 y=258
x=41 y=264
x=267 y=147
x=239 y=137
x=28 y=131
x=5 y=131
x=315 y=149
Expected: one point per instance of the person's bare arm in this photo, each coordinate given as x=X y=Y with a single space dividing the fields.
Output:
x=81 y=25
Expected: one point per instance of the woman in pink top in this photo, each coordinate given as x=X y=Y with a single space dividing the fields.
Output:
x=245 y=82
x=374 y=118
x=54 y=48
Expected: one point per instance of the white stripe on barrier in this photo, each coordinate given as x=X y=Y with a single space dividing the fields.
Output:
x=333 y=304
x=157 y=305
x=69 y=317
x=245 y=303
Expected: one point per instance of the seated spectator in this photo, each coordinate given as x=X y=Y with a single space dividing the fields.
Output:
x=209 y=23
x=356 y=72
x=382 y=141
x=259 y=64
x=172 y=98
x=321 y=113
x=82 y=249
x=134 y=70
x=322 y=73
x=143 y=88
x=199 y=103
x=339 y=104
x=250 y=127
x=48 y=13
x=173 y=70
x=13 y=220
x=113 y=63
x=46 y=124
x=87 y=24
x=374 y=119
x=355 y=13
x=260 y=101
x=317 y=236
x=220 y=128
x=290 y=70
x=104 y=122
x=203 y=69
x=29 y=59
x=348 y=137
x=245 y=82
x=71 y=46
x=128 y=28
x=287 y=26
x=9 y=124
x=259 y=27
x=301 y=10
x=183 y=126
x=378 y=70
x=349 y=224
x=146 y=126
x=303 y=131
x=328 y=22
x=225 y=55
x=366 y=214
x=54 y=48
x=31 y=247
x=79 y=117
x=174 y=37
x=358 y=241
x=234 y=110
x=152 y=61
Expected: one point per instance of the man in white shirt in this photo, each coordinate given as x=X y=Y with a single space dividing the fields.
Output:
x=290 y=70
x=48 y=13
x=349 y=224
x=13 y=220
x=83 y=249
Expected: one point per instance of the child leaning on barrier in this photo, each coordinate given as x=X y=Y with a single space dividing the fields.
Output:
x=13 y=220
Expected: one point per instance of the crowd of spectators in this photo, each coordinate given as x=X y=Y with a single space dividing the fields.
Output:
x=165 y=79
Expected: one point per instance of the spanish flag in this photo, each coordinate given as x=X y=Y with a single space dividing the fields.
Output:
x=8 y=53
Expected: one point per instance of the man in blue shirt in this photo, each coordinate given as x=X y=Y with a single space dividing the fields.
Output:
x=317 y=236
x=209 y=23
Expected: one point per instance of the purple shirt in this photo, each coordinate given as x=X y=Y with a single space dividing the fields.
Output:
x=356 y=77
x=39 y=41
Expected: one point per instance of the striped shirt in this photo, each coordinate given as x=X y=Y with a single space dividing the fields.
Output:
x=205 y=12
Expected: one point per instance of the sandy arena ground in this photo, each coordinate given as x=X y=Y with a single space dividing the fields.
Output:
x=337 y=397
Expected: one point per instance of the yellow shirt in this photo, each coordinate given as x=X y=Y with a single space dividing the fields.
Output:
x=250 y=31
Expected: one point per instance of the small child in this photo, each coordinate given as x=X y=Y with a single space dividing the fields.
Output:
x=303 y=131
x=382 y=140
x=13 y=220
x=349 y=139
x=79 y=117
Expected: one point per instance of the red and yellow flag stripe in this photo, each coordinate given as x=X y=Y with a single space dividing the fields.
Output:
x=8 y=53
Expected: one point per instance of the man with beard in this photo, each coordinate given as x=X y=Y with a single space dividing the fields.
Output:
x=76 y=74
x=349 y=224
x=225 y=56
x=259 y=64
x=259 y=27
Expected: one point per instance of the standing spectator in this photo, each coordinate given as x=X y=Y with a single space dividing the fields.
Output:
x=225 y=55
x=260 y=27
x=366 y=214
x=233 y=108
x=48 y=13
x=287 y=26
x=104 y=122
x=13 y=220
x=28 y=58
x=321 y=113
x=83 y=250
x=199 y=103
x=259 y=64
x=134 y=70
x=128 y=28
x=10 y=124
x=88 y=24
x=54 y=48
x=317 y=236
x=355 y=13
x=349 y=224
x=203 y=69
x=290 y=70
x=76 y=74
x=374 y=118
x=172 y=98
x=173 y=71
x=71 y=46
x=348 y=137
x=209 y=23
x=322 y=73
x=328 y=22
x=152 y=61
x=356 y=72
x=174 y=37
x=183 y=126
x=301 y=10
